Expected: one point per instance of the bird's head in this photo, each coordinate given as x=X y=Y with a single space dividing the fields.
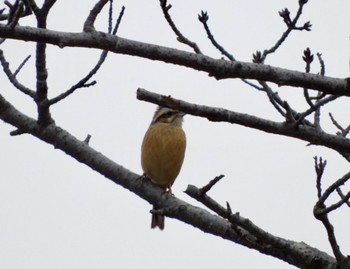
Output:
x=168 y=115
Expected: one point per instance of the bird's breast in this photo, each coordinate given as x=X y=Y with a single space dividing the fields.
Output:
x=163 y=152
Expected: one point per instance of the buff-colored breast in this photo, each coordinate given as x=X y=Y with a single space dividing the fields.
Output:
x=163 y=152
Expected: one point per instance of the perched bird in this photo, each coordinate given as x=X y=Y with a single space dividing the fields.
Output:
x=163 y=152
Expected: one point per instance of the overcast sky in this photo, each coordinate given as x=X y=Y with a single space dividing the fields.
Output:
x=58 y=213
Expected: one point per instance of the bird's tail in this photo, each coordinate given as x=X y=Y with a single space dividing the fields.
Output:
x=157 y=220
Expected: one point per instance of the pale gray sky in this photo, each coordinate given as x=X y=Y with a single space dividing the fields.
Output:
x=57 y=213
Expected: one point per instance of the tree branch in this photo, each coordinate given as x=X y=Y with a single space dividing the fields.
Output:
x=173 y=207
x=303 y=132
x=291 y=25
x=180 y=37
x=83 y=83
x=90 y=20
x=12 y=77
x=295 y=253
x=218 y=68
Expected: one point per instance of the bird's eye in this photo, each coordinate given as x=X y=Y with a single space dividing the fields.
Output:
x=169 y=113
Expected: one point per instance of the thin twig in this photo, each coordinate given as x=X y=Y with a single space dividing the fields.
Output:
x=322 y=64
x=180 y=37
x=83 y=82
x=211 y=184
x=116 y=27
x=12 y=77
x=320 y=208
x=291 y=25
x=316 y=107
x=317 y=115
x=15 y=13
x=320 y=166
x=343 y=131
x=274 y=98
x=335 y=123
x=203 y=18
x=343 y=200
x=308 y=58
x=342 y=196
x=19 y=68
x=247 y=229
x=333 y=187
x=110 y=16
x=87 y=139
x=330 y=231
x=25 y=12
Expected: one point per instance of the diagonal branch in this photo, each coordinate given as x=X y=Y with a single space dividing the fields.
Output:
x=12 y=77
x=83 y=83
x=303 y=132
x=321 y=211
x=263 y=241
x=291 y=24
x=203 y=18
x=180 y=37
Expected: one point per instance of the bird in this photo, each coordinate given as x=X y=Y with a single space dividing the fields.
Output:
x=163 y=152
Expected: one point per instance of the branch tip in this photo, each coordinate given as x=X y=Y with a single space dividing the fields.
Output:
x=206 y=188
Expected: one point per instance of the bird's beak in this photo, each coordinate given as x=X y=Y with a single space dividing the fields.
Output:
x=181 y=114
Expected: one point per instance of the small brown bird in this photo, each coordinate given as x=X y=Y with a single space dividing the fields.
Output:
x=163 y=152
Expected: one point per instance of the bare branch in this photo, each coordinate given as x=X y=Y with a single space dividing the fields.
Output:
x=90 y=20
x=83 y=83
x=322 y=200
x=87 y=139
x=336 y=124
x=12 y=77
x=323 y=68
x=217 y=68
x=15 y=13
x=303 y=132
x=253 y=235
x=274 y=99
x=211 y=184
x=343 y=131
x=180 y=37
x=203 y=18
x=308 y=58
x=291 y=25
x=343 y=197
x=330 y=231
x=19 y=68
x=320 y=166
x=116 y=27
x=343 y=200
x=23 y=11
x=316 y=107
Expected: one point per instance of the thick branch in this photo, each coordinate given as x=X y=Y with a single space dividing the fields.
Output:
x=218 y=68
x=303 y=132
x=296 y=253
